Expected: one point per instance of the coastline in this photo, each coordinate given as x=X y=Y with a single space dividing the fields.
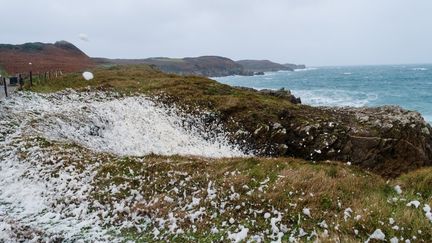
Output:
x=319 y=165
x=341 y=86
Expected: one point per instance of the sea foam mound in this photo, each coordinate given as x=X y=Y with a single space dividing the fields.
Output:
x=48 y=141
x=103 y=122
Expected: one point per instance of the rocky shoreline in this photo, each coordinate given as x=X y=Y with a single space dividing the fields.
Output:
x=386 y=140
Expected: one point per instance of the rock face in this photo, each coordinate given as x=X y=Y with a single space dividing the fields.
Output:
x=61 y=55
x=387 y=140
x=282 y=93
x=393 y=136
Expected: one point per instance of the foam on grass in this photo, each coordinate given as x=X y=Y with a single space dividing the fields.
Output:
x=133 y=126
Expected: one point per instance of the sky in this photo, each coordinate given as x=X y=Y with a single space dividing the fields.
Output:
x=311 y=32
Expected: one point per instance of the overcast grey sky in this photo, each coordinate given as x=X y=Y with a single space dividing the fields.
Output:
x=314 y=32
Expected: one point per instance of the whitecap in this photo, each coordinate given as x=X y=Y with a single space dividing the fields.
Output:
x=339 y=98
x=305 y=69
x=419 y=69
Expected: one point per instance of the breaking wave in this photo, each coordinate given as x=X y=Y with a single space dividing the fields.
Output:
x=340 y=98
x=419 y=69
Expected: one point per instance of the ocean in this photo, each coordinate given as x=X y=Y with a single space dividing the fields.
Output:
x=409 y=86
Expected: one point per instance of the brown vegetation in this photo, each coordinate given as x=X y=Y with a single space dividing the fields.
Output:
x=44 y=57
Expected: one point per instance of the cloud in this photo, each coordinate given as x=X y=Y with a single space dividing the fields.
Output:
x=314 y=32
x=83 y=37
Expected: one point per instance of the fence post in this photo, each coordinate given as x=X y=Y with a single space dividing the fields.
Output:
x=31 y=79
x=5 y=87
x=20 y=81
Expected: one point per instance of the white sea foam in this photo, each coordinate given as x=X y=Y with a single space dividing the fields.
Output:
x=305 y=69
x=419 y=69
x=125 y=126
x=87 y=75
x=327 y=97
x=428 y=118
x=30 y=196
x=43 y=196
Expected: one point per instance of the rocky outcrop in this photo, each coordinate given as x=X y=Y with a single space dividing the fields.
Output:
x=283 y=94
x=387 y=140
x=280 y=93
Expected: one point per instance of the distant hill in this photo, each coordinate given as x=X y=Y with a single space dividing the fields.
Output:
x=64 y=56
x=61 y=55
x=210 y=66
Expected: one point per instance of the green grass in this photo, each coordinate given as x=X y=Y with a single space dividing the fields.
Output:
x=327 y=189
x=3 y=73
x=292 y=181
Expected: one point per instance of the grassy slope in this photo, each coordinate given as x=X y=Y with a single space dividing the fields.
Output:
x=327 y=188
x=285 y=185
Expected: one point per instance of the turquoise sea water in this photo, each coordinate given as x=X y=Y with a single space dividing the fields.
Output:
x=409 y=86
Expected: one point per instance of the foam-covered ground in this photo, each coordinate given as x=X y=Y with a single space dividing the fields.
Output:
x=125 y=126
x=131 y=126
